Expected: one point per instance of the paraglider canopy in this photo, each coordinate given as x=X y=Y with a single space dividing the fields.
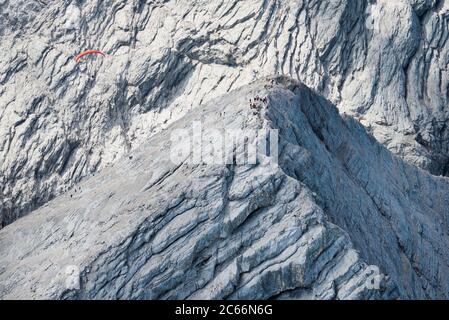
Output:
x=87 y=52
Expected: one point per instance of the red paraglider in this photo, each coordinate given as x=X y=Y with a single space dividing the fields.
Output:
x=85 y=53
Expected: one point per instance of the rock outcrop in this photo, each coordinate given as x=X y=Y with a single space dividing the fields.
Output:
x=358 y=91
x=383 y=62
x=313 y=223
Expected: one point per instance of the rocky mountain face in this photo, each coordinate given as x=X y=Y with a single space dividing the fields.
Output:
x=313 y=223
x=360 y=101
x=383 y=62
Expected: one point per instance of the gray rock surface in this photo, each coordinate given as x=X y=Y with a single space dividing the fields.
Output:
x=383 y=62
x=151 y=228
x=335 y=207
x=357 y=84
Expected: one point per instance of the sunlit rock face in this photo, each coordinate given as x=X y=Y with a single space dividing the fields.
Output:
x=332 y=215
x=383 y=62
x=378 y=67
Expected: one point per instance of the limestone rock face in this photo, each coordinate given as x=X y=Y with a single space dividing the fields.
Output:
x=317 y=222
x=383 y=62
x=357 y=89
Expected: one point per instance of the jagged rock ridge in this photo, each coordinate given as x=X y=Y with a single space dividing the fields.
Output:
x=383 y=62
